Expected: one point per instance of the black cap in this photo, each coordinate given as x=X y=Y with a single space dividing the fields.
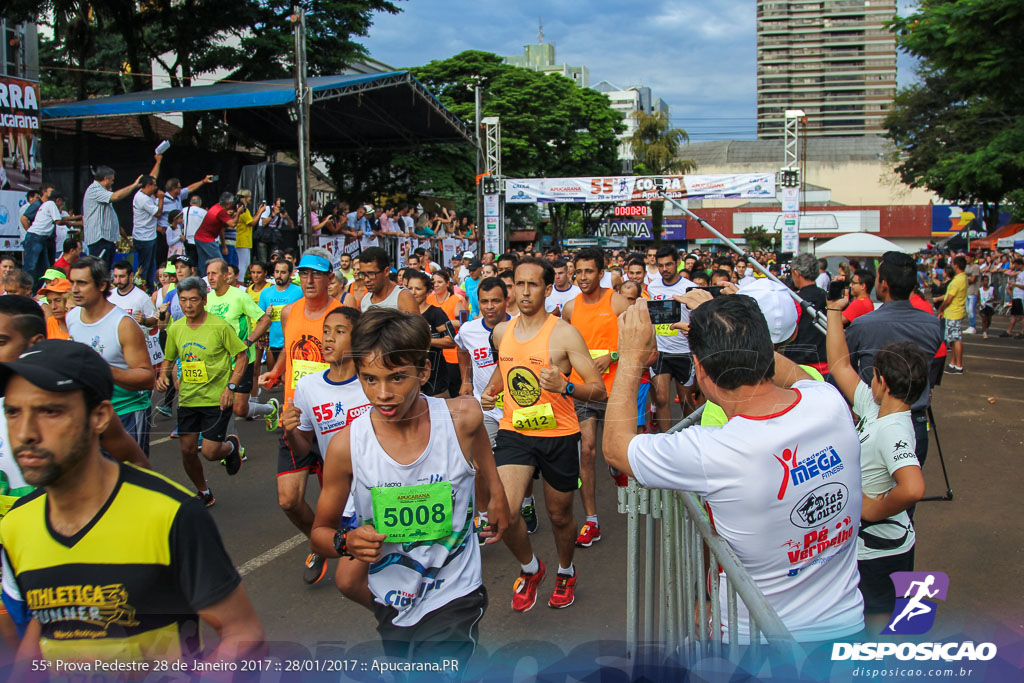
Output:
x=61 y=365
x=474 y=264
x=181 y=258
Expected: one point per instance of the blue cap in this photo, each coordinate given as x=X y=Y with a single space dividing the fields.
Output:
x=314 y=262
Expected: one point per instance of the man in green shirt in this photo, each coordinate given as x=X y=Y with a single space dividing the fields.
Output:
x=208 y=387
x=238 y=309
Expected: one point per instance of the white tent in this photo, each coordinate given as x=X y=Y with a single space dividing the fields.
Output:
x=857 y=244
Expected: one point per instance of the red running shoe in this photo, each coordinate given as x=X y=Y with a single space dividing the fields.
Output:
x=524 y=595
x=589 y=535
x=564 y=593
x=621 y=478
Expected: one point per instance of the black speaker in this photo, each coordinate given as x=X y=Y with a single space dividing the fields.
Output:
x=270 y=181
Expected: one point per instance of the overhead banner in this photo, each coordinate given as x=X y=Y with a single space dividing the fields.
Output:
x=11 y=204
x=19 y=126
x=639 y=188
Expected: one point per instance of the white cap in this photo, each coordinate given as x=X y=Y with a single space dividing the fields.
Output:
x=777 y=306
x=468 y=254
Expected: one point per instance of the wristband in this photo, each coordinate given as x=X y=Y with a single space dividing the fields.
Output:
x=837 y=310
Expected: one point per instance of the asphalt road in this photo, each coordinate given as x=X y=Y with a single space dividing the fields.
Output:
x=976 y=538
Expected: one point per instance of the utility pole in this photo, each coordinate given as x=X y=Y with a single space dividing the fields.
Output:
x=476 y=126
x=303 y=95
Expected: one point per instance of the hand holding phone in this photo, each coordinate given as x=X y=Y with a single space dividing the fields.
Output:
x=664 y=311
x=837 y=290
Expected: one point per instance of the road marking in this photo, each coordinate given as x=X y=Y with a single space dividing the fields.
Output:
x=1000 y=360
x=160 y=441
x=999 y=376
x=1000 y=398
x=272 y=554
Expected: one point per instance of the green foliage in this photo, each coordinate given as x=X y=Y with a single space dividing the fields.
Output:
x=759 y=238
x=959 y=131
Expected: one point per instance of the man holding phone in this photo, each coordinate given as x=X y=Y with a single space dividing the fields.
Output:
x=674 y=363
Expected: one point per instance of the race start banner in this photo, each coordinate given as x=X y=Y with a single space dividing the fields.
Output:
x=639 y=188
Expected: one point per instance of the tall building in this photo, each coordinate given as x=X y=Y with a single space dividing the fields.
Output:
x=834 y=59
x=19 y=57
x=627 y=101
x=541 y=57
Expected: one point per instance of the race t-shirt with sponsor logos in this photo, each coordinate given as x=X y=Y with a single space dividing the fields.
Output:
x=238 y=309
x=138 y=300
x=475 y=338
x=328 y=407
x=272 y=296
x=671 y=341
x=886 y=444
x=559 y=298
x=784 y=491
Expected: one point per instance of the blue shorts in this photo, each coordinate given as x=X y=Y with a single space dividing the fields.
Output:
x=641 y=404
x=136 y=423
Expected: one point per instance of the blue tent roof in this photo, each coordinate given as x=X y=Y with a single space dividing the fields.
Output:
x=391 y=109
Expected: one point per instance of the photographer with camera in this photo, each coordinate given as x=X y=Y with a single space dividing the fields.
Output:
x=272 y=221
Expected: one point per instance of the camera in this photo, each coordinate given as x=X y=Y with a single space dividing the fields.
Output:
x=665 y=311
x=836 y=290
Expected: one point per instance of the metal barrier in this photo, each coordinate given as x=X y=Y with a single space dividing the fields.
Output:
x=676 y=527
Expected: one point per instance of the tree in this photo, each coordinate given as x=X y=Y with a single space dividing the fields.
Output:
x=958 y=132
x=758 y=238
x=655 y=146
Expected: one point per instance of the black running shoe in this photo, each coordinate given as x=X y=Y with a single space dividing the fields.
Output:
x=316 y=569
x=233 y=462
x=206 y=499
x=529 y=514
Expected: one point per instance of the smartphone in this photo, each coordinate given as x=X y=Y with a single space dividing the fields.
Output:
x=836 y=289
x=463 y=316
x=282 y=202
x=214 y=178
x=714 y=291
x=449 y=328
x=665 y=311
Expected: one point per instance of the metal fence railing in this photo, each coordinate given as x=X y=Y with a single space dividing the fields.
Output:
x=671 y=548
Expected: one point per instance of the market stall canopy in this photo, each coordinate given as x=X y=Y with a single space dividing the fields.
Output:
x=1003 y=238
x=352 y=111
x=857 y=244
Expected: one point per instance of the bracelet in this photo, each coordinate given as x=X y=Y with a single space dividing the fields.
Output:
x=837 y=310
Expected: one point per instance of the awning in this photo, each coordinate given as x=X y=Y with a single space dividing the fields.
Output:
x=1002 y=238
x=351 y=111
x=857 y=244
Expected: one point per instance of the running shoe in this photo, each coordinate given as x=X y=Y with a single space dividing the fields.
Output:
x=954 y=370
x=275 y=417
x=233 y=462
x=564 y=593
x=1005 y=334
x=524 y=590
x=164 y=410
x=621 y=478
x=174 y=434
x=206 y=499
x=971 y=330
x=316 y=569
x=529 y=514
x=589 y=535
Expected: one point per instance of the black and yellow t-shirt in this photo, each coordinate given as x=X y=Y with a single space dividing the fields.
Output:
x=129 y=584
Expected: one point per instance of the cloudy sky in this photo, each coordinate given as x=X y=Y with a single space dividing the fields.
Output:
x=697 y=56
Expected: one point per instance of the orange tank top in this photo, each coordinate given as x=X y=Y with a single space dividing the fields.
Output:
x=302 y=339
x=600 y=329
x=528 y=409
x=53 y=330
x=450 y=355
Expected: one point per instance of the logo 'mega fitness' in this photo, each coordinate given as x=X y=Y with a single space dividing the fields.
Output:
x=915 y=595
x=523 y=385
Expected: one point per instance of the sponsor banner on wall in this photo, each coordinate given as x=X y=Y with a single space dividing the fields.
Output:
x=11 y=204
x=639 y=188
x=336 y=245
x=19 y=126
x=641 y=229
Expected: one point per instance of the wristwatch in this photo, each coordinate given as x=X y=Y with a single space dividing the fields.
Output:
x=341 y=541
x=570 y=389
x=614 y=355
x=233 y=387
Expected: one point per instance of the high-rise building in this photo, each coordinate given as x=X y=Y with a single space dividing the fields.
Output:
x=627 y=101
x=834 y=59
x=541 y=57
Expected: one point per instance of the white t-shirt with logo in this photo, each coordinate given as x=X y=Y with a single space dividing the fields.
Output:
x=671 y=341
x=886 y=445
x=144 y=213
x=328 y=407
x=559 y=299
x=1018 y=289
x=45 y=222
x=475 y=338
x=138 y=300
x=785 y=492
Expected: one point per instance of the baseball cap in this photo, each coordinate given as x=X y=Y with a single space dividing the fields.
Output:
x=57 y=285
x=170 y=269
x=474 y=264
x=315 y=262
x=53 y=274
x=181 y=258
x=468 y=254
x=61 y=365
x=777 y=306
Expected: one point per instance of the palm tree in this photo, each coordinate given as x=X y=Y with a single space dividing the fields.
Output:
x=655 y=148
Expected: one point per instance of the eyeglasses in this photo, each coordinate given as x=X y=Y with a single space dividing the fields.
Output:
x=369 y=274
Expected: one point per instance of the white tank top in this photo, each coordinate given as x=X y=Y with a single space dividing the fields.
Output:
x=390 y=302
x=417 y=578
x=101 y=335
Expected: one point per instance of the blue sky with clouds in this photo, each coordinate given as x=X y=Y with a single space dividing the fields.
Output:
x=697 y=56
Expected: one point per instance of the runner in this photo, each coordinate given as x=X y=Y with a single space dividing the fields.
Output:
x=381 y=291
x=442 y=333
x=118 y=338
x=207 y=346
x=674 y=361
x=636 y=272
x=273 y=300
x=539 y=428
x=563 y=290
x=511 y=307
x=424 y=572
x=595 y=313
x=654 y=272
x=444 y=297
x=136 y=303
x=58 y=293
x=237 y=308
x=103 y=538
x=302 y=354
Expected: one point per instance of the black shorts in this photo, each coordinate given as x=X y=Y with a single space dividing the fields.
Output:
x=1017 y=307
x=936 y=369
x=588 y=409
x=557 y=457
x=875 y=584
x=288 y=462
x=210 y=421
x=245 y=386
x=449 y=632
x=679 y=365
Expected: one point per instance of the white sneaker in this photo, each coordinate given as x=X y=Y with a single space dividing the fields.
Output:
x=970 y=330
